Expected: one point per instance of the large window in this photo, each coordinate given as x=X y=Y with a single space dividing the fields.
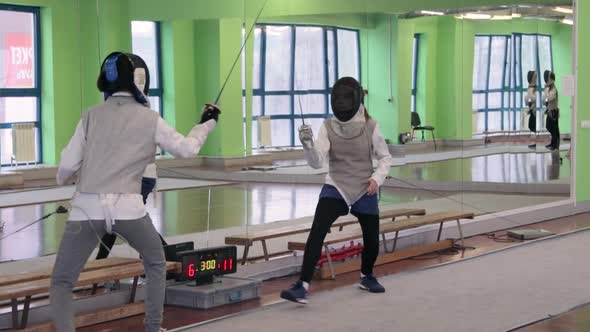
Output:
x=20 y=92
x=500 y=67
x=415 y=57
x=145 y=38
x=293 y=71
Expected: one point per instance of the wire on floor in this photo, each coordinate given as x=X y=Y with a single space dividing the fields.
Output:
x=504 y=238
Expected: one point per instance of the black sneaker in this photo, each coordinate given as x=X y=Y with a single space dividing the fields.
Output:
x=371 y=284
x=297 y=293
x=548 y=146
x=533 y=146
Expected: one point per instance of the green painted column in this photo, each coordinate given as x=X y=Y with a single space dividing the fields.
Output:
x=178 y=67
x=219 y=42
x=379 y=46
x=60 y=86
x=562 y=45
x=453 y=121
x=582 y=138
x=90 y=56
x=114 y=26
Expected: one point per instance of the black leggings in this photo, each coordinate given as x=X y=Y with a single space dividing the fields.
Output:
x=552 y=126
x=108 y=241
x=327 y=211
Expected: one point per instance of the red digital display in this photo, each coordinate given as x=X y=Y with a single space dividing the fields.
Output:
x=208 y=262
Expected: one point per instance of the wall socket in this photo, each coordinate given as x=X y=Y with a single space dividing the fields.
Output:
x=585 y=124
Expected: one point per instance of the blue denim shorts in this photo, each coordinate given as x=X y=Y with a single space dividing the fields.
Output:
x=368 y=204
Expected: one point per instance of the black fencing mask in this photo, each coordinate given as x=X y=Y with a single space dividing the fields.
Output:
x=532 y=77
x=347 y=97
x=141 y=74
x=117 y=74
x=549 y=77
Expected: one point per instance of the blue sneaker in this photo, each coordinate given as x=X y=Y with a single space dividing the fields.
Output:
x=297 y=293
x=371 y=284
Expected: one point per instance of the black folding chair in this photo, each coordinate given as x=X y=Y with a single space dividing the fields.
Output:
x=417 y=126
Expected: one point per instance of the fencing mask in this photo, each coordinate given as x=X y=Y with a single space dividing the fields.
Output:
x=118 y=73
x=549 y=77
x=532 y=77
x=141 y=74
x=347 y=97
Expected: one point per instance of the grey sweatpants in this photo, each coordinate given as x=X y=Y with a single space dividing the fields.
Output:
x=78 y=242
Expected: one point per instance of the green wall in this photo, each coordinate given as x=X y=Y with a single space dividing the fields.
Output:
x=378 y=75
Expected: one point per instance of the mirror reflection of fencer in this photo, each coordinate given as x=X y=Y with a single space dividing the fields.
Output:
x=551 y=102
x=531 y=101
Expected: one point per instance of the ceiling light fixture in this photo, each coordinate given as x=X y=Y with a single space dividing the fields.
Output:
x=477 y=16
x=563 y=10
x=431 y=12
x=568 y=21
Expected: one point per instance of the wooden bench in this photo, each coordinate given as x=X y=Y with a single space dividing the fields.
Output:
x=394 y=227
x=27 y=285
x=249 y=238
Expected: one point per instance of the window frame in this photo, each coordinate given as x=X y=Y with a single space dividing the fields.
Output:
x=516 y=87
x=34 y=92
x=415 y=61
x=294 y=93
x=159 y=91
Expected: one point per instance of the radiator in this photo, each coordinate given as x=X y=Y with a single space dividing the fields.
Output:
x=264 y=132
x=23 y=143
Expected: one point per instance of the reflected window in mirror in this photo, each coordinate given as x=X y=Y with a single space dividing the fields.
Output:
x=500 y=67
x=294 y=67
x=145 y=40
x=20 y=88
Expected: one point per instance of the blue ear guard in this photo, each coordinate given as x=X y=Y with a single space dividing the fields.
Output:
x=110 y=67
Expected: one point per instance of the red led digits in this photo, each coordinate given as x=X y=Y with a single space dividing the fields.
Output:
x=191 y=270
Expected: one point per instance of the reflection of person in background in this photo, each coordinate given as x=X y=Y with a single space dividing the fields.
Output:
x=531 y=101
x=348 y=143
x=551 y=101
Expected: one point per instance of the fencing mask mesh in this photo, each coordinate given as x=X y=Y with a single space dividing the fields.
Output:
x=347 y=96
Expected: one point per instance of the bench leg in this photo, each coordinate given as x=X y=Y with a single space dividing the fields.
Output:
x=439 y=232
x=341 y=228
x=266 y=258
x=384 y=242
x=14 y=304
x=133 y=289
x=94 y=289
x=330 y=264
x=25 y=316
x=461 y=233
x=245 y=257
x=395 y=241
x=433 y=139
